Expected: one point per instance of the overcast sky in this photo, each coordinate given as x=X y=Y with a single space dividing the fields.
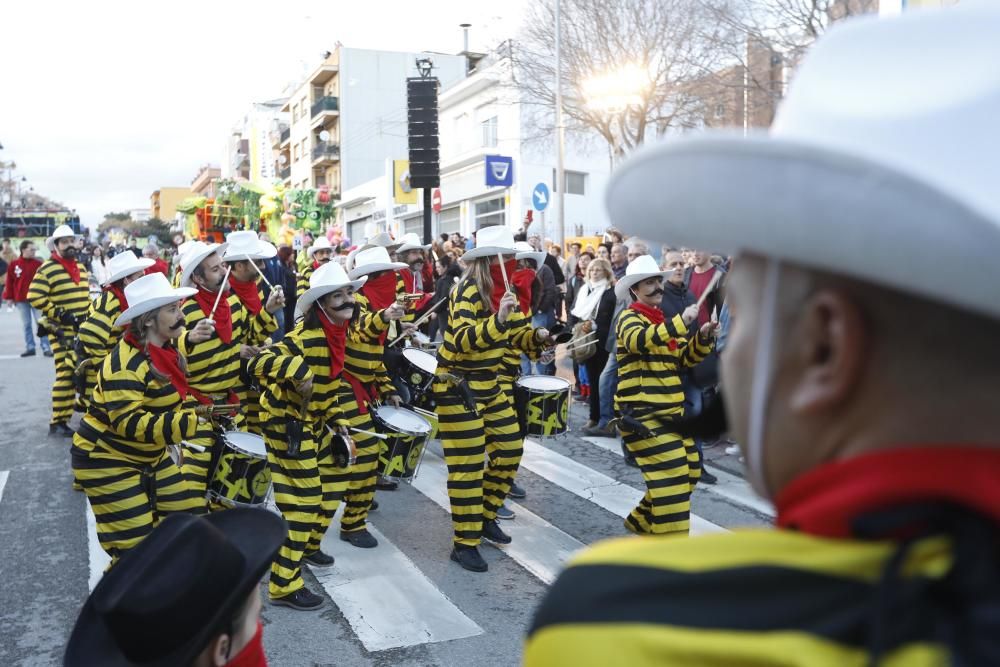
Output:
x=103 y=102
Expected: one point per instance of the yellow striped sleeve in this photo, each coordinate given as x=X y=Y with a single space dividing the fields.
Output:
x=97 y=334
x=38 y=293
x=123 y=394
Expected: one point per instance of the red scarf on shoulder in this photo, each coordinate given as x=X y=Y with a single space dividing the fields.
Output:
x=498 y=287
x=381 y=293
x=651 y=313
x=72 y=268
x=336 y=341
x=165 y=360
x=523 y=281
x=248 y=294
x=223 y=313
x=120 y=295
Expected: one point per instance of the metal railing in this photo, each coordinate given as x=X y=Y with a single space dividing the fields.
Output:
x=326 y=150
x=285 y=173
x=286 y=134
x=327 y=103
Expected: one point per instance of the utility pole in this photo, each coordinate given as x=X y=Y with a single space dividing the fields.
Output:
x=560 y=139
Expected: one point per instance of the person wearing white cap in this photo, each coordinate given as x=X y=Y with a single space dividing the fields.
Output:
x=859 y=376
x=418 y=276
x=300 y=394
x=366 y=380
x=98 y=334
x=475 y=418
x=318 y=254
x=60 y=290
x=142 y=405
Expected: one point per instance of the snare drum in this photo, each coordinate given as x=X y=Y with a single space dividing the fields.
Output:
x=418 y=371
x=542 y=403
x=407 y=433
x=242 y=477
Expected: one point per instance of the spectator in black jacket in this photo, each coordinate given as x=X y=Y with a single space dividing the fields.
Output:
x=289 y=282
x=595 y=306
x=448 y=272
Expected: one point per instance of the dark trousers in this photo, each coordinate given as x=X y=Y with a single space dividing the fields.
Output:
x=594 y=367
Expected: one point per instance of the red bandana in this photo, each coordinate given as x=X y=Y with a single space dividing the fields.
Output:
x=167 y=361
x=120 y=295
x=498 y=287
x=381 y=293
x=336 y=340
x=316 y=265
x=826 y=500
x=523 y=280
x=247 y=293
x=251 y=655
x=72 y=268
x=651 y=313
x=223 y=313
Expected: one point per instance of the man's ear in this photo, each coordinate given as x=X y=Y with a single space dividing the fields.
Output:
x=829 y=343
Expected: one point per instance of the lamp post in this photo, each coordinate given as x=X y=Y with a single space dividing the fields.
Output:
x=560 y=139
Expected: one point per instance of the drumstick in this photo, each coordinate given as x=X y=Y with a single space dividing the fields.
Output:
x=222 y=288
x=374 y=435
x=419 y=321
x=580 y=341
x=197 y=448
x=263 y=277
x=503 y=270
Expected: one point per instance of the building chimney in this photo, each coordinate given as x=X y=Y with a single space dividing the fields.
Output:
x=465 y=36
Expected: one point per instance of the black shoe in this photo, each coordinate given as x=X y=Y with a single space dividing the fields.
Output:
x=492 y=532
x=302 y=599
x=469 y=558
x=386 y=484
x=28 y=353
x=373 y=506
x=61 y=429
x=360 y=538
x=629 y=459
x=598 y=432
x=505 y=513
x=48 y=353
x=707 y=477
x=516 y=492
x=319 y=559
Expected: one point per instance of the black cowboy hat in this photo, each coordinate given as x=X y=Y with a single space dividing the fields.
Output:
x=167 y=597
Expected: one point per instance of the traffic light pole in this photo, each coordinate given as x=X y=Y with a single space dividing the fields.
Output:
x=427 y=215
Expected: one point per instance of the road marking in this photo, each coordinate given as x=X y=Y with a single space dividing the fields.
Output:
x=9 y=356
x=387 y=600
x=731 y=487
x=4 y=474
x=591 y=485
x=537 y=546
x=99 y=559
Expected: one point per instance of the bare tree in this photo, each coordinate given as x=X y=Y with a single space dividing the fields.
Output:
x=672 y=43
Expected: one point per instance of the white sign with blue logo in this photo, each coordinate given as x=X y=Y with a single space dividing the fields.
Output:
x=499 y=171
x=540 y=197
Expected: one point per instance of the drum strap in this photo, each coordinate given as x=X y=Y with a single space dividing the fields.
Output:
x=362 y=394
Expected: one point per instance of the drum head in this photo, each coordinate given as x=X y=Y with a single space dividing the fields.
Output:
x=543 y=383
x=246 y=443
x=422 y=360
x=403 y=420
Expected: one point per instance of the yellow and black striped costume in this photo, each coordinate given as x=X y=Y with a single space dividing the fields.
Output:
x=475 y=347
x=54 y=293
x=98 y=336
x=302 y=281
x=650 y=358
x=120 y=451
x=261 y=326
x=308 y=488
x=743 y=599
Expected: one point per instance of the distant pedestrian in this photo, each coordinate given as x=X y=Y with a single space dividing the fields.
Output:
x=20 y=272
x=151 y=251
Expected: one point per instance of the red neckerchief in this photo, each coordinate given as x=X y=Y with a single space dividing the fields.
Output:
x=251 y=655
x=167 y=361
x=247 y=293
x=651 y=313
x=72 y=268
x=223 y=316
x=363 y=395
x=120 y=295
x=336 y=341
x=315 y=265
x=498 y=287
x=381 y=293
x=523 y=280
x=827 y=500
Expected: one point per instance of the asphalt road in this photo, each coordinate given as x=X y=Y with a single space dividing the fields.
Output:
x=403 y=603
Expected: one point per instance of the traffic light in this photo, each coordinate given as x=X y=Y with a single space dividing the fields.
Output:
x=422 y=132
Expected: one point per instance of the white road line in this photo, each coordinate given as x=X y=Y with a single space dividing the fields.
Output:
x=537 y=546
x=99 y=558
x=9 y=356
x=591 y=485
x=387 y=600
x=730 y=486
x=4 y=474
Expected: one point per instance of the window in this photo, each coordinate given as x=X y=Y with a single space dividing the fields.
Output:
x=295 y=153
x=490 y=212
x=576 y=182
x=489 y=132
x=295 y=112
x=414 y=225
x=449 y=220
x=720 y=110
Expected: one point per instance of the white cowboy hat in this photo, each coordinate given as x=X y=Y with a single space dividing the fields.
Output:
x=411 y=242
x=149 y=293
x=198 y=251
x=525 y=251
x=125 y=264
x=327 y=278
x=247 y=245
x=492 y=241
x=322 y=243
x=863 y=175
x=639 y=269
x=61 y=232
x=383 y=239
x=373 y=260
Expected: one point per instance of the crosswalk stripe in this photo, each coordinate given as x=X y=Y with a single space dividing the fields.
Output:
x=730 y=487
x=99 y=558
x=387 y=600
x=591 y=485
x=4 y=474
x=537 y=545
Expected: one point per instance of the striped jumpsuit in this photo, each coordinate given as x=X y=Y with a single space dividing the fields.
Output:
x=307 y=488
x=98 y=336
x=650 y=359
x=302 y=281
x=363 y=361
x=53 y=293
x=475 y=346
x=130 y=480
x=262 y=325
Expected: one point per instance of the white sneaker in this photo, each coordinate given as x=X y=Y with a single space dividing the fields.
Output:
x=733 y=450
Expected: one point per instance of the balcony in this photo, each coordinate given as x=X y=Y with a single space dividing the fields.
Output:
x=285 y=174
x=324 y=108
x=286 y=136
x=325 y=153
